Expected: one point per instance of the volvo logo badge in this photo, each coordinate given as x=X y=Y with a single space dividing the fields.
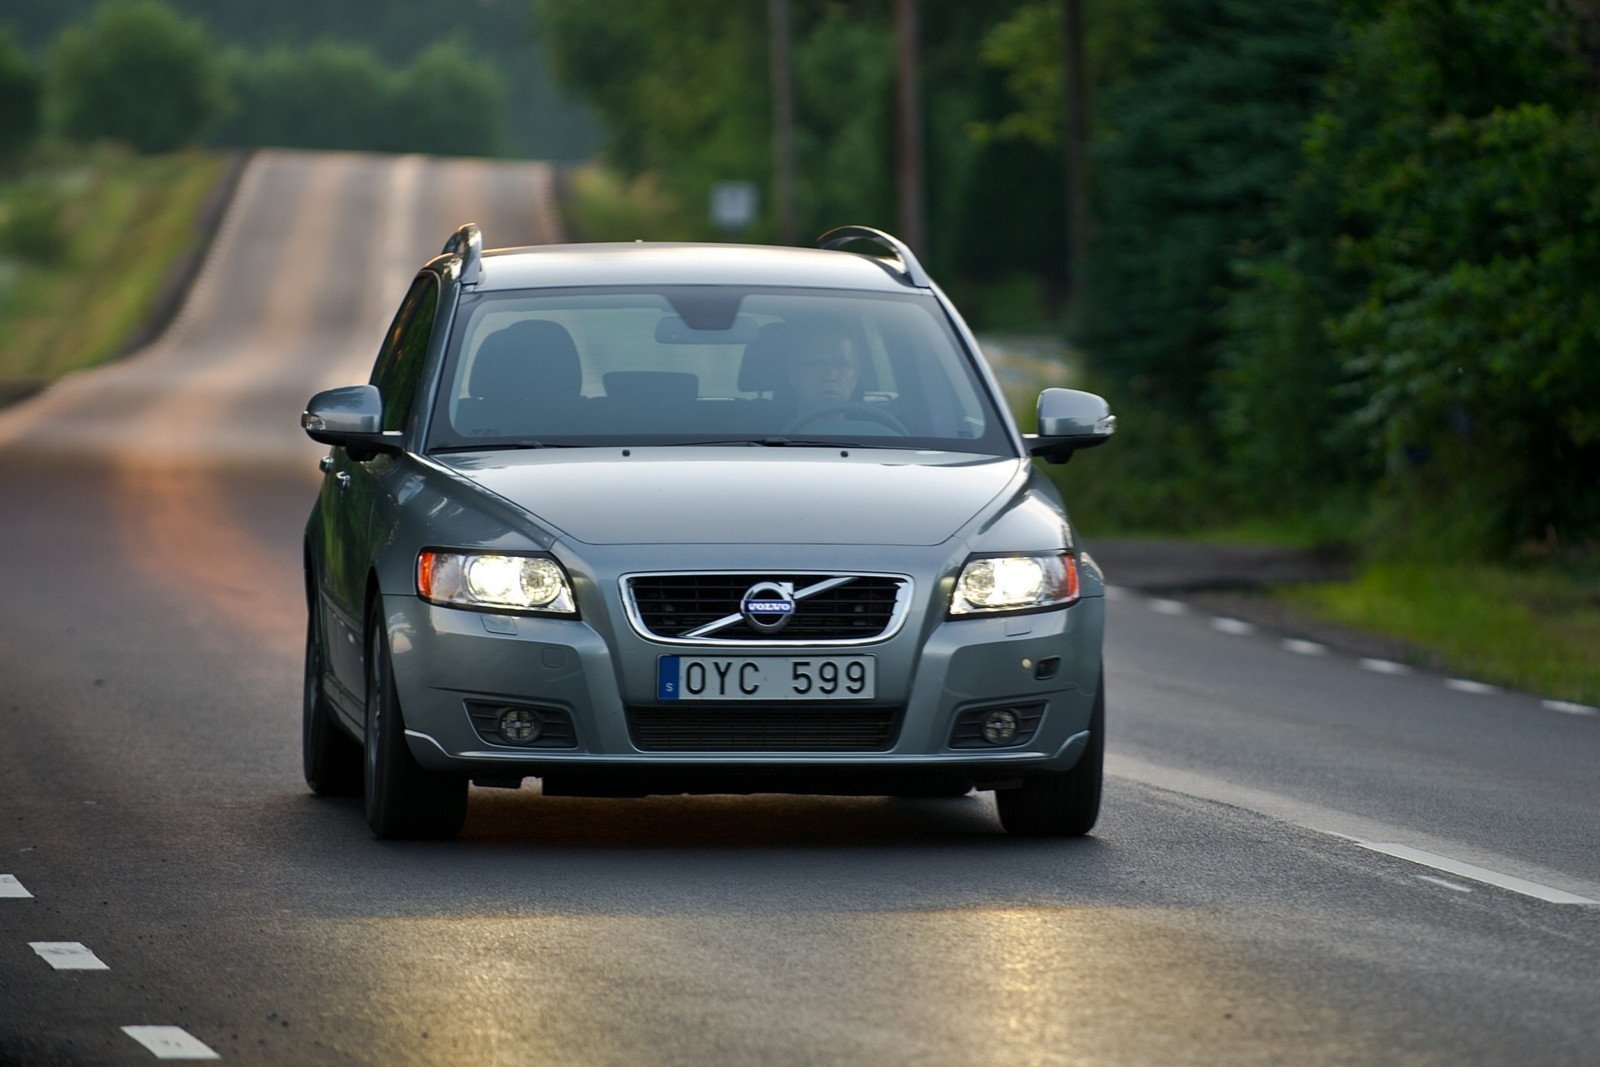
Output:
x=768 y=606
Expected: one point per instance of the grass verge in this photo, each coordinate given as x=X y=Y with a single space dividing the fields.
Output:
x=87 y=239
x=1535 y=629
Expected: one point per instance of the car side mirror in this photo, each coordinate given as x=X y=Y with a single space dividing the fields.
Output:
x=1069 y=420
x=350 y=417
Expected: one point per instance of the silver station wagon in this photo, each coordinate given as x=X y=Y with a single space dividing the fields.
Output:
x=670 y=518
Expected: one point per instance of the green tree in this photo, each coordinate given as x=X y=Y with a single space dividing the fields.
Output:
x=680 y=85
x=1430 y=294
x=20 y=95
x=138 y=73
x=333 y=95
x=451 y=103
x=1192 y=152
x=327 y=95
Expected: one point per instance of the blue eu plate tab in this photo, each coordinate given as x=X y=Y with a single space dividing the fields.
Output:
x=667 y=678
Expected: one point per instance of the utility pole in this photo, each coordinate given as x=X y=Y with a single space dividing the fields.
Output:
x=908 y=128
x=782 y=68
x=1075 y=116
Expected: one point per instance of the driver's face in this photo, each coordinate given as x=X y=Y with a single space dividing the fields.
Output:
x=824 y=376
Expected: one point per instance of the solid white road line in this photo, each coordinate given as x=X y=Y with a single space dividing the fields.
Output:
x=1565 y=707
x=171 y=1043
x=1237 y=627
x=10 y=887
x=1467 y=685
x=1384 y=666
x=1305 y=648
x=1477 y=874
x=1293 y=809
x=1169 y=607
x=68 y=956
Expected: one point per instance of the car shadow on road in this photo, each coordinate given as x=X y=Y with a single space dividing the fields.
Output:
x=522 y=852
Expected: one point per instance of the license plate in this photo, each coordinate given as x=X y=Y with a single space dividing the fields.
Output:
x=766 y=677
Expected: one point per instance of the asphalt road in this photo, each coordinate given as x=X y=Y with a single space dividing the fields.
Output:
x=1303 y=858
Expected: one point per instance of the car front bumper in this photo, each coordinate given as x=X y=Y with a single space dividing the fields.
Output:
x=446 y=660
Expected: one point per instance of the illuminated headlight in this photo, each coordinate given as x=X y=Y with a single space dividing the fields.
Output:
x=491 y=581
x=1015 y=583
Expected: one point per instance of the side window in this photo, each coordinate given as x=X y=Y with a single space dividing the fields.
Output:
x=399 y=365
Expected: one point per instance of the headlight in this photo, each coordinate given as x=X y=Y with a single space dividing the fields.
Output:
x=1015 y=583
x=491 y=581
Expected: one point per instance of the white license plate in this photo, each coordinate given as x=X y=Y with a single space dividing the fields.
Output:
x=766 y=677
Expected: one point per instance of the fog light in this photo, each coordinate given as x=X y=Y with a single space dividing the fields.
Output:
x=1000 y=726
x=520 y=725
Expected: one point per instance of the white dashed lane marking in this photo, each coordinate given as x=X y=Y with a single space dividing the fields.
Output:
x=68 y=956
x=1466 y=685
x=1300 y=646
x=171 y=1043
x=10 y=887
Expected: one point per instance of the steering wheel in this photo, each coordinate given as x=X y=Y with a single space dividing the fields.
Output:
x=857 y=408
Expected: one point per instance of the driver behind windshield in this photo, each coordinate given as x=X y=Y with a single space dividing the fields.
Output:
x=822 y=375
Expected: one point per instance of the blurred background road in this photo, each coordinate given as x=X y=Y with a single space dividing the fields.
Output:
x=1307 y=855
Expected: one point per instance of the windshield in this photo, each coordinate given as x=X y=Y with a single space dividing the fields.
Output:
x=711 y=365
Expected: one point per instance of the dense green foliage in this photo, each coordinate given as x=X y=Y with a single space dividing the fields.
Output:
x=1427 y=308
x=1193 y=148
x=331 y=95
x=20 y=96
x=139 y=73
x=683 y=91
x=540 y=122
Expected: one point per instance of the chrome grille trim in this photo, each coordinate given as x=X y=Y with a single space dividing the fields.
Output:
x=711 y=632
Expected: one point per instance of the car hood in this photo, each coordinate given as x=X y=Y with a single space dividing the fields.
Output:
x=744 y=495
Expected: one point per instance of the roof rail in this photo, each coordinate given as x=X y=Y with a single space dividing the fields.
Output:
x=908 y=267
x=467 y=242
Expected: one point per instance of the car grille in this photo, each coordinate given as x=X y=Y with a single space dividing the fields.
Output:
x=828 y=609
x=764 y=729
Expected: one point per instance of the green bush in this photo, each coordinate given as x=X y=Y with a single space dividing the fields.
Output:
x=31 y=216
x=450 y=103
x=139 y=73
x=20 y=95
x=339 y=96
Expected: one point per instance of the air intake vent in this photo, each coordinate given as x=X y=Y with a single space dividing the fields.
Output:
x=764 y=729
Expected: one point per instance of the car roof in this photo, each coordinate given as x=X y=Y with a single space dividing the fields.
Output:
x=663 y=263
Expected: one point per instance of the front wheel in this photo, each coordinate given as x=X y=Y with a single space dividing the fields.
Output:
x=1064 y=803
x=404 y=799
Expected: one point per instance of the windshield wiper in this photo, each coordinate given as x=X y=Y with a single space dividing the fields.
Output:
x=495 y=446
x=785 y=442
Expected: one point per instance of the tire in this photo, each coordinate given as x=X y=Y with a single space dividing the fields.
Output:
x=404 y=799
x=330 y=757
x=1063 y=803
